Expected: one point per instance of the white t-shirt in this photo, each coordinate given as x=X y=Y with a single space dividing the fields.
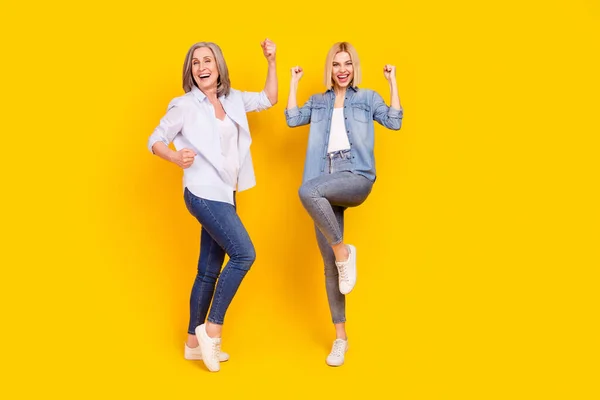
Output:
x=228 y=131
x=338 y=139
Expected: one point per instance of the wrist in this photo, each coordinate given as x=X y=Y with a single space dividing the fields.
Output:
x=171 y=155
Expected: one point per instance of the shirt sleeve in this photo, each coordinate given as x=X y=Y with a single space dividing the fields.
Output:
x=299 y=116
x=170 y=125
x=256 y=101
x=389 y=117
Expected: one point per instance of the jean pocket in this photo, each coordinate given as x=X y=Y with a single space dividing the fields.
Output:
x=361 y=112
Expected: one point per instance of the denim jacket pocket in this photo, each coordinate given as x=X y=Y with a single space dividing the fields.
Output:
x=361 y=112
x=318 y=112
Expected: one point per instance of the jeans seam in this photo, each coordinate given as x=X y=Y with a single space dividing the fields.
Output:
x=212 y=243
x=216 y=296
x=231 y=242
x=331 y=225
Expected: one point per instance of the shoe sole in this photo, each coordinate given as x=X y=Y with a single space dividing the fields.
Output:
x=200 y=359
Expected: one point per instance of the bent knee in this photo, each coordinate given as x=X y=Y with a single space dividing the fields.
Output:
x=307 y=193
x=244 y=259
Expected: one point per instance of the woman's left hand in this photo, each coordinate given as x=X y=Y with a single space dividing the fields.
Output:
x=389 y=71
x=269 y=49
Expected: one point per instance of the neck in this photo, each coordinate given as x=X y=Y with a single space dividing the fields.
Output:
x=339 y=91
x=211 y=93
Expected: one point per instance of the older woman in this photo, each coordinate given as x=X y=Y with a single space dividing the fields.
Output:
x=339 y=169
x=209 y=129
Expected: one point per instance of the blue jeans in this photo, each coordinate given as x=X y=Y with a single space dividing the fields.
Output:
x=222 y=233
x=326 y=198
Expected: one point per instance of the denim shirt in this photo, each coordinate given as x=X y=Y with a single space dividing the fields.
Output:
x=361 y=108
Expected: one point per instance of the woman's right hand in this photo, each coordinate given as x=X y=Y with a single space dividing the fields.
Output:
x=296 y=74
x=184 y=158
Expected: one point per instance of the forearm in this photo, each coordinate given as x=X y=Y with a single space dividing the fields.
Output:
x=292 y=97
x=395 y=97
x=271 y=84
x=163 y=151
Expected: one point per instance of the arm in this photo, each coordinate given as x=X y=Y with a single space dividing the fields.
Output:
x=390 y=117
x=158 y=143
x=269 y=50
x=389 y=71
x=296 y=75
x=297 y=116
x=259 y=101
x=183 y=158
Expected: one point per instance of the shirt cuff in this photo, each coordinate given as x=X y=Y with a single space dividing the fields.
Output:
x=395 y=113
x=153 y=140
x=292 y=112
x=264 y=101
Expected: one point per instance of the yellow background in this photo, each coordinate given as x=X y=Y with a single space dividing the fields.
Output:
x=478 y=246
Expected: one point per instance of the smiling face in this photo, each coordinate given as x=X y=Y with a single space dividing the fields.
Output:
x=204 y=69
x=342 y=72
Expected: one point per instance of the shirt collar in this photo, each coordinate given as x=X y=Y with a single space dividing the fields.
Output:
x=354 y=89
x=201 y=96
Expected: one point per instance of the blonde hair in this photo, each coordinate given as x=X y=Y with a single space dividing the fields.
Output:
x=223 y=83
x=341 y=47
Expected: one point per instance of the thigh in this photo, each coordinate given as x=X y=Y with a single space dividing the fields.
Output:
x=221 y=222
x=344 y=189
x=212 y=254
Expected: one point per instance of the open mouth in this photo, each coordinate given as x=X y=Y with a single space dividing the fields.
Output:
x=343 y=78
x=204 y=76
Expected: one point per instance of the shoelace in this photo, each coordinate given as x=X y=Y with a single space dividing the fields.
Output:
x=343 y=271
x=216 y=350
x=338 y=349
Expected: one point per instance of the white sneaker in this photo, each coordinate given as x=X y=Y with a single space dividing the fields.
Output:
x=336 y=357
x=194 y=353
x=210 y=348
x=347 y=271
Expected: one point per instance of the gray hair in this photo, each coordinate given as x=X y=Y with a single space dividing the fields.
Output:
x=223 y=83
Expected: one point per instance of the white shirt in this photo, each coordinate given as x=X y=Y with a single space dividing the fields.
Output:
x=190 y=122
x=338 y=139
x=229 y=149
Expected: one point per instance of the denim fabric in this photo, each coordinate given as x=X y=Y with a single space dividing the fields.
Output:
x=222 y=233
x=325 y=198
x=361 y=108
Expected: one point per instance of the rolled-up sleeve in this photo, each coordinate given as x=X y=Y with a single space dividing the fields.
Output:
x=389 y=117
x=256 y=101
x=170 y=125
x=299 y=116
